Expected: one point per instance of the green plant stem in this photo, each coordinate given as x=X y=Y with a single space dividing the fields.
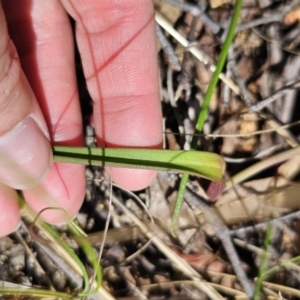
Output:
x=90 y=254
x=263 y=263
x=179 y=202
x=280 y=266
x=70 y=251
x=204 y=164
x=205 y=107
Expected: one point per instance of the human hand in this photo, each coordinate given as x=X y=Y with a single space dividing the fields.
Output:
x=116 y=40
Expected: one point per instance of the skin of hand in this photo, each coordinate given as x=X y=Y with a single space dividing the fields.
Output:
x=39 y=103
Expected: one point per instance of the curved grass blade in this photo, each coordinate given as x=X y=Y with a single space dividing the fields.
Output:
x=204 y=164
x=71 y=252
x=56 y=236
x=90 y=254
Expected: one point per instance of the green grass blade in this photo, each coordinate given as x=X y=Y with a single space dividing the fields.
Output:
x=281 y=265
x=179 y=202
x=262 y=266
x=204 y=164
x=205 y=106
x=70 y=251
x=90 y=254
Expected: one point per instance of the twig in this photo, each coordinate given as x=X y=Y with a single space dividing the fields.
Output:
x=168 y=48
x=39 y=270
x=260 y=155
x=256 y=250
x=276 y=127
x=279 y=262
x=263 y=225
x=282 y=288
x=240 y=82
x=227 y=92
x=144 y=206
x=221 y=288
x=275 y=17
x=273 y=42
x=172 y=99
x=93 y=278
x=198 y=12
x=233 y=277
x=262 y=165
x=281 y=130
x=279 y=93
x=200 y=55
x=62 y=264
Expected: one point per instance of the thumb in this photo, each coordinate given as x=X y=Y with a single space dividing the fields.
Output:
x=25 y=151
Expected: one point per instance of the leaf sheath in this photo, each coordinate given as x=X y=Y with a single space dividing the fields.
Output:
x=204 y=164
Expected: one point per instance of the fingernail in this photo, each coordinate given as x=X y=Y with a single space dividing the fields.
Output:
x=25 y=155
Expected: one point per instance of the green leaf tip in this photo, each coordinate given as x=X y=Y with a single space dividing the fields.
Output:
x=203 y=164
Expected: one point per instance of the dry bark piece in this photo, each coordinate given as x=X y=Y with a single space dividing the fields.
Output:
x=292 y=17
x=171 y=12
x=218 y=3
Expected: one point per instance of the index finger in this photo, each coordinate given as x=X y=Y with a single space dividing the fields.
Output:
x=117 y=43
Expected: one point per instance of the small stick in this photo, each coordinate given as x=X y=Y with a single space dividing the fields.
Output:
x=93 y=279
x=198 y=12
x=274 y=17
x=263 y=225
x=200 y=55
x=279 y=93
x=275 y=125
x=227 y=92
x=240 y=82
x=262 y=165
x=62 y=264
x=168 y=48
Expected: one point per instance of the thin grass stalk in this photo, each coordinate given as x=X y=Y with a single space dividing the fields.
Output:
x=205 y=107
x=91 y=255
x=262 y=266
x=203 y=164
